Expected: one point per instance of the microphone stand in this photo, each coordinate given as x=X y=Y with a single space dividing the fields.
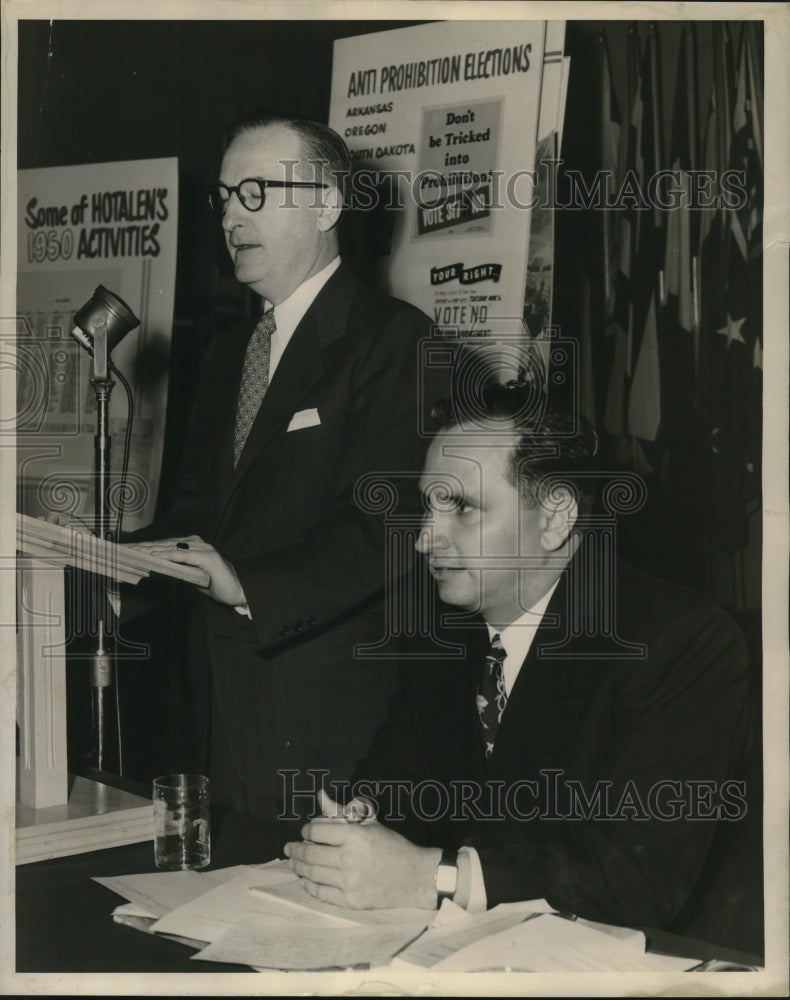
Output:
x=101 y=665
x=99 y=326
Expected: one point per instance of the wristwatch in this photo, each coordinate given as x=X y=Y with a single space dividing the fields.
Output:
x=446 y=875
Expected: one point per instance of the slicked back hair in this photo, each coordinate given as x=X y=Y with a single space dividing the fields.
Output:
x=324 y=154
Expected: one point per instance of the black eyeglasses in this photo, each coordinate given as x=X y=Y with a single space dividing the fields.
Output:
x=251 y=192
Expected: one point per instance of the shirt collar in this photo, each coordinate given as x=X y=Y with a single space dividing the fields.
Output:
x=290 y=311
x=517 y=637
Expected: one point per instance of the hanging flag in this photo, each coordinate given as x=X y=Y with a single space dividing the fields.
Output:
x=587 y=400
x=713 y=217
x=714 y=228
x=620 y=320
x=679 y=320
x=682 y=222
x=594 y=280
x=732 y=307
x=754 y=407
x=644 y=398
x=609 y=160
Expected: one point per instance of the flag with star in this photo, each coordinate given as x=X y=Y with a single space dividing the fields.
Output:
x=713 y=233
x=732 y=303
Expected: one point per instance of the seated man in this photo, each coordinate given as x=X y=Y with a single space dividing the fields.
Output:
x=587 y=745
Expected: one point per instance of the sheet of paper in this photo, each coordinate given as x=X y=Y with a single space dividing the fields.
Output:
x=266 y=941
x=550 y=943
x=132 y=910
x=159 y=892
x=442 y=941
x=212 y=913
x=293 y=893
x=134 y=916
x=223 y=875
x=450 y=913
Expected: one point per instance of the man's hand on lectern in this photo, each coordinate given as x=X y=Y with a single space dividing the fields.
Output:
x=191 y=550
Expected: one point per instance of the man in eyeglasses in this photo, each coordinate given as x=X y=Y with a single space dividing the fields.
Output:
x=292 y=410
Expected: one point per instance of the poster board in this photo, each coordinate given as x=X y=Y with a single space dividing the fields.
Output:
x=441 y=120
x=111 y=224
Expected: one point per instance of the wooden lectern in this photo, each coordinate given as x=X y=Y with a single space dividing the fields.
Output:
x=59 y=814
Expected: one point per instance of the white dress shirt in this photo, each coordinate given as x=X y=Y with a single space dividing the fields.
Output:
x=516 y=640
x=288 y=314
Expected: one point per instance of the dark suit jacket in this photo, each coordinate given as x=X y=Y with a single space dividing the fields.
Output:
x=288 y=689
x=587 y=717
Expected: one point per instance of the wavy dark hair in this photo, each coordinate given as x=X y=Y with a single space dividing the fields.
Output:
x=555 y=447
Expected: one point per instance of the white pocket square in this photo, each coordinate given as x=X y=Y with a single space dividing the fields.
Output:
x=304 y=418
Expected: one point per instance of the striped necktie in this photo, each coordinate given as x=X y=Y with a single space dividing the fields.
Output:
x=492 y=696
x=254 y=380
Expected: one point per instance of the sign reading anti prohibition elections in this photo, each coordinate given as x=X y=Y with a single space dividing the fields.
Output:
x=110 y=224
x=442 y=122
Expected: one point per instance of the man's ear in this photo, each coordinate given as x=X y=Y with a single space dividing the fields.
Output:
x=560 y=512
x=331 y=208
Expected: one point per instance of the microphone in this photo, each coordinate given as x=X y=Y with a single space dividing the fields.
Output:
x=101 y=324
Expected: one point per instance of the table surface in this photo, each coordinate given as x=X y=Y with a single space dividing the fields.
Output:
x=64 y=919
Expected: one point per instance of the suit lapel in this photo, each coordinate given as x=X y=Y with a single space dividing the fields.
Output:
x=300 y=368
x=538 y=714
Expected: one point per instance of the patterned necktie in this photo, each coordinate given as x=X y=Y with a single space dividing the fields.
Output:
x=254 y=380
x=492 y=696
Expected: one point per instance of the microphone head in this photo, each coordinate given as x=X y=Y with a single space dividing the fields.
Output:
x=106 y=310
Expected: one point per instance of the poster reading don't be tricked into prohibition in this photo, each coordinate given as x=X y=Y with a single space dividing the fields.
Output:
x=442 y=123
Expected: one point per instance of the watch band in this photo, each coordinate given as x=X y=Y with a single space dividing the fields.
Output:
x=446 y=875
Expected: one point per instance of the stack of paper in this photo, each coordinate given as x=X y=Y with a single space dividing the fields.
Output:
x=542 y=942
x=261 y=916
x=265 y=941
x=276 y=926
